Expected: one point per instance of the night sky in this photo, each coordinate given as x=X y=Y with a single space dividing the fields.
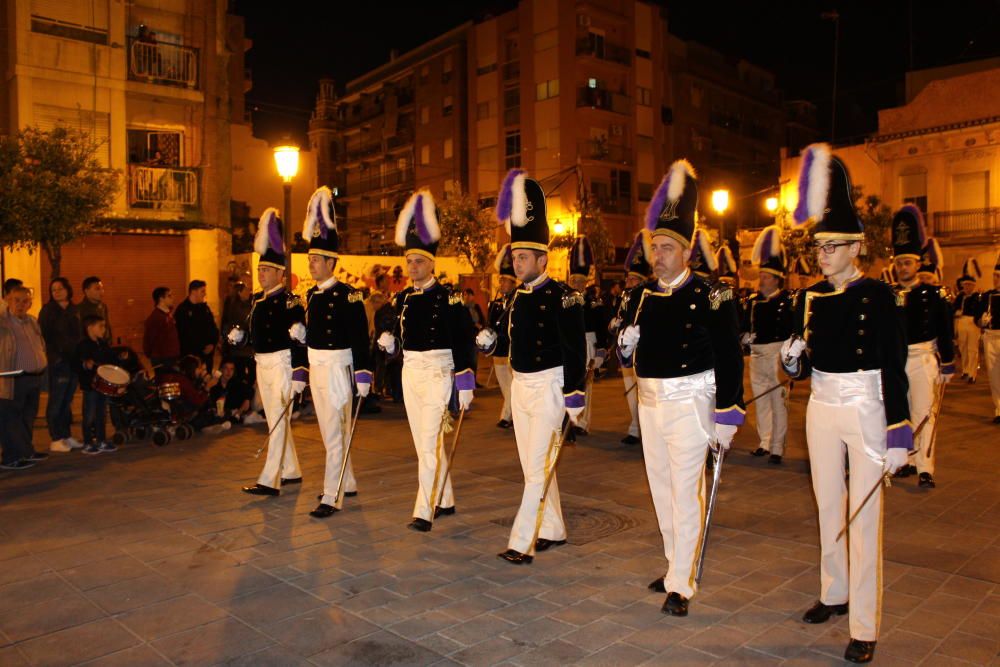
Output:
x=296 y=43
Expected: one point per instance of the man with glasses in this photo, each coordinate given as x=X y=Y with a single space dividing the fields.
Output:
x=855 y=352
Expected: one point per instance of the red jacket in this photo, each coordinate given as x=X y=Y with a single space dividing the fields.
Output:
x=159 y=338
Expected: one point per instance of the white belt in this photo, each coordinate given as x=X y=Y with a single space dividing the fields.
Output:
x=927 y=347
x=331 y=357
x=271 y=359
x=431 y=360
x=540 y=378
x=846 y=388
x=657 y=390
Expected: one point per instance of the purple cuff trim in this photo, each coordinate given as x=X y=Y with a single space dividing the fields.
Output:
x=948 y=369
x=465 y=381
x=575 y=400
x=362 y=377
x=900 y=438
x=602 y=353
x=300 y=375
x=730 y=417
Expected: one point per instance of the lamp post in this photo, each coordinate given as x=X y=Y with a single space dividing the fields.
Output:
x=286 y=160
x=720 y=202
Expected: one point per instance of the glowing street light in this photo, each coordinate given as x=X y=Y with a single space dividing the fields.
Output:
x=559 y=228
x=720 y=200
x=771 y=204
x=286 y=161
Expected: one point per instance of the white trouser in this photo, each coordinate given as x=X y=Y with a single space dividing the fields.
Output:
x=274 y=380
x=677 y=418
x=968 y=343
x=846 y=413
x=632 y=398
x=772 y=411
x=426 y=390
x=501 y=366
x=991 y=348
x=923 y=374
x=330 y=383
x=538 y=407
x=584 y=419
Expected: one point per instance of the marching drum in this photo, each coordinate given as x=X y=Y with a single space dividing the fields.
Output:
x=169 y=390
x=111 y=380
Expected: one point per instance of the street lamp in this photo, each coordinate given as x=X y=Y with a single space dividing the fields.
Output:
x=559 y=228
x=720 y=202
x=286 y=160
x=771 y=204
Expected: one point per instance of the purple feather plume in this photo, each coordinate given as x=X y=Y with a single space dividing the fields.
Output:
x=505 y=200
x=765 y=251
x=419 y=223
x=274 y=237
x=657 y=204
x=802 y=208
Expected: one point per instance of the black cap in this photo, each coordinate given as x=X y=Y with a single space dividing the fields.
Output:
x=909 y=236
x=521 y=208
x=269 y=242
x=320 y=227
x=417 y=229
x=825 y=197
x=673 y=210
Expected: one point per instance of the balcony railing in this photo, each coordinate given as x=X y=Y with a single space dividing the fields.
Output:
x=598 y=98
x=390 y=179
x=165 y=64
x=593 y=149
x=968 y=222
x=613 y=205
x=589 y=46
x=162 y=187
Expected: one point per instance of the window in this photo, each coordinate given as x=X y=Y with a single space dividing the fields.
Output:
x=425 y=115
x=643 y=96
x=487 y=200
x=449 y=149
x=486 y=69
x=425 y=72
x=643 y=53
x=666 y=115
x=597 y=43
x=621 y=184
x=485 y=110
x=592 y=83
x=154 y=148
x=547 y=89
x=96 y=124
x=446 y=67
x=425 y=155
x=512 y=149
x=512 y=106
x=447 y=105
x=913 y=189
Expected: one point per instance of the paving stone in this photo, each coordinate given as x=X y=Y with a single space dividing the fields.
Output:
x=615 y=655
x=137 y=655
x=50 y=616
x=478 y=629
x=381 y=649
x=171 y=616
x=977 y=650
x=319 y=630
x=490 y=652
x=88 y=641
x=134 y=593
x=272 y=604
x=424 y=624
x=554 y=653
x=211 y=643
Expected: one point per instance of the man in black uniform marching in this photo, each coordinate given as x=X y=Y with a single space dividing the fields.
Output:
x=855 y=355
x=930 y=357
x=497 y=310
x=430 y=329
x=968 y=307
x=548 y=353
x=990 y=322
x=682 y=337
x=336 y=337
x=282 y=366
x=581 y=261
x=637 y=271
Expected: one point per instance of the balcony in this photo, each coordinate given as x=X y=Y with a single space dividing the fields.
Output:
x=598 y=98
x=511 y=70
x=614 y=205
x=595 y=149
x=163 y=64
x=967 y=224
x=598 y=48
x=162 y=187
x=396 y=178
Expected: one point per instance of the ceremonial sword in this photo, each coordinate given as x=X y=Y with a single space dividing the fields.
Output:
x=719 y=455
x=267 y=438
x=451 y=457
x=339 y=498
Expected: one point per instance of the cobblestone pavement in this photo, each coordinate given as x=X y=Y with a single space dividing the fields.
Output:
x=152 y=556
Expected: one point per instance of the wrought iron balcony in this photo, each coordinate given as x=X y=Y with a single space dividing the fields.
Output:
x=975 y=222
x=595 y=149
x=598 y=98
x=164 y=64
x=597 y=48
x=162 y=187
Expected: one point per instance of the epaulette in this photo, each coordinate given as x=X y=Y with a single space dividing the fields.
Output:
x=355 y=296
x=572 y=299
x=900 y=296
x=454 y=298
x=719 y=294
x=292 y=301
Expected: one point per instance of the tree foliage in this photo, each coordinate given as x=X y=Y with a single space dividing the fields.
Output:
x=590 y=223
x=52 y=189
x=468 y=230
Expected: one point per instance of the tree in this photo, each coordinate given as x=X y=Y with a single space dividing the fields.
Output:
x=468 y=230
x=52 y=190
x=590 y=223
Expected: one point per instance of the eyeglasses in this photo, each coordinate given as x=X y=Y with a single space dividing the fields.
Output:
x=830 y=248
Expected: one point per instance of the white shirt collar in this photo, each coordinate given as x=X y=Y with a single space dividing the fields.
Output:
x=676 y=281
x=327 y=284
x=426 y=286
x=539 y=280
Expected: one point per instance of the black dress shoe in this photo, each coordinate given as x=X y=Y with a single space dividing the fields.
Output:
x=657 y=585
x=760 y=451
x=347 y=494
x=504 y=423
x=630 y=440
x=542 y=544
x=906 y=471
x=261 y=490
x=774 y=459
x=577 y=430
x=420 y=525
x=996 y=420
x=515 y=557
x=675 y=605
x=821 y=613
x=926 y=481
x=859 y=651
x=291 y=480
x=444 y=511
x=36 y=456
x=323 y=511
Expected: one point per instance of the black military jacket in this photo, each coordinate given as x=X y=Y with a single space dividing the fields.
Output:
x=856 y=328
x=991 y=305
x=768 y=318
x=689 y=329
x=971 y=305
x=271 y=316
x=928 y=316
x=336 y=320
x=435 y=319
x=495 y=313
x=595 y=320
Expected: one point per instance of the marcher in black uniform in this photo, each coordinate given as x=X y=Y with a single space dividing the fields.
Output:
x=548 y=353
x=930 y=360
x=336 y=337
x=430 y=330
x=581 y=261
x=856 y=357
x=497 y=310
x=968 y=307
x=703 y=262
x=282 y=366
x=690 y=378
x=767 y=324
x=637 y=271
x=990 y=322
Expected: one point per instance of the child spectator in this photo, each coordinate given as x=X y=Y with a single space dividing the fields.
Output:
x=92 y=352
x=233 y=393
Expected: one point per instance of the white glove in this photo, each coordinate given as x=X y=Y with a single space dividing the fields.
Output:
x=747 y=338
x=464 y=398
x=946 y=377
x=485 y=339
x=364 y=388
x=628 y=339
x=387 y=342
x=574 y=414
x=724 y=434
x=298 y=386
x=792 y=349
x=297 y=332
x=614 y=324
x=895 y=458
x=236 y=336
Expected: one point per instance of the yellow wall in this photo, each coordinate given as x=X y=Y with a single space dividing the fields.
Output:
x=27 y=267
x=256 y=182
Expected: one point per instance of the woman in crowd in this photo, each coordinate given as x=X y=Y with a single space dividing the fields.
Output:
x=59 y=320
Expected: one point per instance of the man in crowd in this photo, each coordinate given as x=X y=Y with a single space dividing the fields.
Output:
x=196 y=325
x=236 y=312
x=93 y=304
x=160 y=341
x=26 y=353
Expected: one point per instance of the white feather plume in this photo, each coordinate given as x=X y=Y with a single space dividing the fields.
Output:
x=409 y=209
x=260 y=239
x=430 y=216
x=819 y=181
x=519 y=204
x=772 y=237
x=676 y=179
x=403 y=221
